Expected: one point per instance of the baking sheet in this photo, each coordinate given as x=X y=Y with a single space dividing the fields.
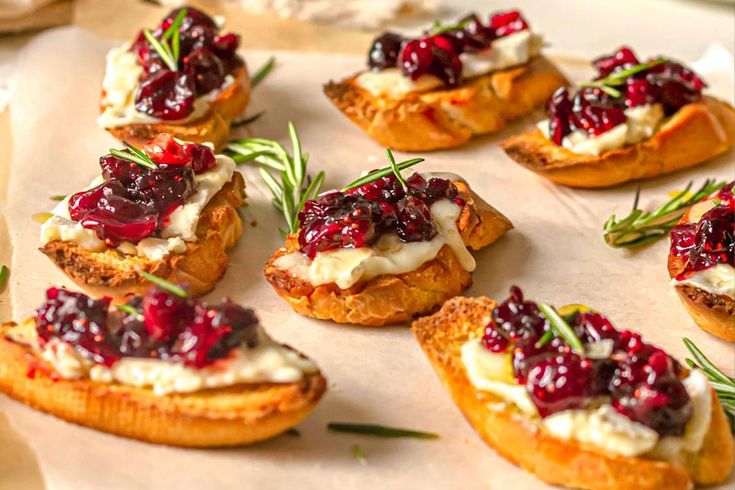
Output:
x=375 y=375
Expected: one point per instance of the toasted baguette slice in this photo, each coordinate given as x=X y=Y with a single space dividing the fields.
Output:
x=695 y=133
x=391 y=299
x=448 y=118
x=115 y=274
x=212 y=127
x=238 y=415
x=713 y=313
x=551 y=459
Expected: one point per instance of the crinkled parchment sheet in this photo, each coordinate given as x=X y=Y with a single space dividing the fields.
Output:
x=555 y=253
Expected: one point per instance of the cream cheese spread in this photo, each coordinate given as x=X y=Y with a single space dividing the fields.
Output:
x=120 y=85
x=718 y=279
x=181 y=226
x=389 y=255
x=599 y=426
x=642 y=122
x=505 y=52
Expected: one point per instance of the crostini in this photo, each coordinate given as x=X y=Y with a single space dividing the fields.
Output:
x=184 y=78
x=702 y=262
x=633 y=121
x=568 y=397
x=438 y=90
x=168 y=209
x=386 y=251
x=162 y=368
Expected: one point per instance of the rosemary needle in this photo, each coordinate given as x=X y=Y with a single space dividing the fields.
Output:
x=379 y=430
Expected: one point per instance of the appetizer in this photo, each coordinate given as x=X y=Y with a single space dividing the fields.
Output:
x=384 y=249
x=702 y=262
x=162 y=368
x=168 y=209
x=633 y=121
x=453 y=82
x=567 y=396
x=184 y=78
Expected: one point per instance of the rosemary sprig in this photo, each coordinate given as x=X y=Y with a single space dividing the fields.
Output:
x=168 y=46
x=129 y=310
x=723 y=384
x=291 y=186
x=4 y=274
x=134 y=155
x=359 y=456
x=607 y=83
x=379 y=430
x=380 y=173
x=168 y=286
x=640 y=227
x=561 y=328
x=248 y=120
x=395 y=169
x=263 y=71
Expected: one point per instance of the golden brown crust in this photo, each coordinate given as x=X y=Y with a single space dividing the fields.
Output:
x=213 y=127
x=391 y=299
x=694 y=134
x=238 y=415
x=553 y=460
x=713 y=313
x=115 y=274
x=448 y=118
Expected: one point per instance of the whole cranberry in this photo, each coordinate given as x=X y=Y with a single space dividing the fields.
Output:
x=385 y=51
x=675 y=84
x=518 y=318
x=197 y=29
x=560 y=382
x=162 y=190
x=446 y=64
x=474 y=35
x=639 y=92
x=596 y=119
x=714 y=239
x=164 y=314
x=83 y=202
x=201 y=156
x=225 y=45
x=206 y=69
x=559 y=109
x=415 y=223
x=166 y=95
x=417 y=57
x=494 y=340
x=116 y=168
x=506 y=23
x=623 y=57
x=593 y=327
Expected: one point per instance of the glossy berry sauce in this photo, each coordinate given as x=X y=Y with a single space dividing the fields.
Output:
x=134 y=202
x=438 y=54
x=167 y=327
x=711 y=240
x=590 y=109
x=641 y=381
x=206 y=57
x=358 y=217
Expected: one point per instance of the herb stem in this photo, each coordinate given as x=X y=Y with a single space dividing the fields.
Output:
x=562 y=328
x=263 y=71
x=168 y=286
x=379 y=430
x=723 y=384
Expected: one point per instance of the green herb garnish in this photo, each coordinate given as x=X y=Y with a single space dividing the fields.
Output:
x=380 y=173
x=640 y=227
x=128 y=309
x=291 y=186
x=608 y=83
x=263 y=71
x=248 y=120
x=359 y=456
x=379 y=430
x=395 y=169
x=561 y=328
x=169 y=45
x=723 y=384
x=4 y=274
x=439 y=28
x=168 y=286
x=57 y=197
x=133 y=155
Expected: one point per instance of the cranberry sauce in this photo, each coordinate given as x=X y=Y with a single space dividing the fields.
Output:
x=358 y=217
x=166 y=327
x=134 y=202
x=710 y=241
x=641 y=381
x=438 y=54
x=595 y=111
x=205 y=58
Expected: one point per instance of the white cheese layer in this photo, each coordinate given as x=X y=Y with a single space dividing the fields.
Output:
x=642 y=123
x=718 y=279
x=181 y=226
x=515 y=49
x=389 y=255
x=120 y=85
x=600 y=426
x=268 y=362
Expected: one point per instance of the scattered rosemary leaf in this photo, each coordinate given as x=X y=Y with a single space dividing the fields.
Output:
x=263 y=71
x=379 y=430
x=128 y=309
x=293 y=432
x=168 y=286
x=57 y=197
x=248 y=120
x=359 y=456
x=41 y=218
x=4 y=274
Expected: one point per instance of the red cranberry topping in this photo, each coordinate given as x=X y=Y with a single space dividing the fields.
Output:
x=507 y=23
x=171 y=328
x=641 y=381
x=474 y=35
x=620 y=60
x=134 y=202
x=205 y=59
x=385 y=50
x=360 y=216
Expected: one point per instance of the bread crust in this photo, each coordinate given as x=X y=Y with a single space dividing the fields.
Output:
x=695 y=133
x=115 y=274
x=713 y=313
x=448 y=118
x=392 y=299
x=550 y=459
x=212 y=127
x=237 y=415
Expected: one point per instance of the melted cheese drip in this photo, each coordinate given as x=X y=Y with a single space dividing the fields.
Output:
x=388 y=256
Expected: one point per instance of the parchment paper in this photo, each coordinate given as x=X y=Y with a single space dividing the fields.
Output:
x=375 y=375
